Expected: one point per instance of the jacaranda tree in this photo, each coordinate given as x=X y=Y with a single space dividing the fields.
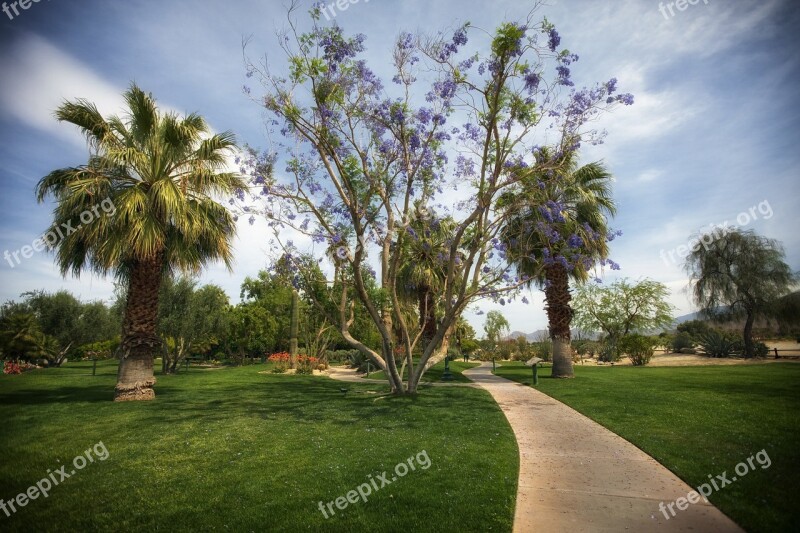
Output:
x=451 y=132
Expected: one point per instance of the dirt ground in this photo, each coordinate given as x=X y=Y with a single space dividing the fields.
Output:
x=676 y=359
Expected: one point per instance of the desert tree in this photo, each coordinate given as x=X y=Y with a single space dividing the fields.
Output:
x=452 y=131
x=739 y=274
x=622 y=308
x=495 y=327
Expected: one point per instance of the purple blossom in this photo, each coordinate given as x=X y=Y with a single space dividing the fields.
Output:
x=532 y=82
x=554 y=40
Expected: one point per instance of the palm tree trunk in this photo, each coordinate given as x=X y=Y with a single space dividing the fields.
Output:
x=427 y=315
x=135 y=378
x=559 y=316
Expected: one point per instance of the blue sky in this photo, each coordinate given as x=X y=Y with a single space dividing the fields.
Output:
x=713 y=132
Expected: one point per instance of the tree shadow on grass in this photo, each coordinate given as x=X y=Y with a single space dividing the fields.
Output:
x=100 y=392
x=309 y=401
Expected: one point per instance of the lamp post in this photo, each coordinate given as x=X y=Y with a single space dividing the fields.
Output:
x=533 y=362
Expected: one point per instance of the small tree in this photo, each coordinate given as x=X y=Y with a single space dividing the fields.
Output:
x=739 y=274
x=622 y=308
x=496 y=325
x=188 y=317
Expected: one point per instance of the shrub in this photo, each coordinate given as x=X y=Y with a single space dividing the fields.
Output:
x=638 y=348
x=542 y=350
x=586 y=347
x=340 y=356
x=688 y=351
x=359 y=361
x=17 y=367
x=10 y=367
x=682 y=340
x=761 y=350
x=608 y=351
x=306 y=364
x=716 y=343
x=281 y=361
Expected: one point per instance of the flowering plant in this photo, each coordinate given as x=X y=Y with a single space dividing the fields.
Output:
x=281 y=361
x=306 y=364
x=367 y=169
x=10 y=367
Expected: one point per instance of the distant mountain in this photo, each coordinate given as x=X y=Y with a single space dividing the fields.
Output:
x=531 y=337
x=686 y=318
x=540 y=334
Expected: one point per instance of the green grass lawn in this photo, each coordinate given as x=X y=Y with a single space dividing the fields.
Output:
x=435 y=372
x=701 y=421
x=235 y=450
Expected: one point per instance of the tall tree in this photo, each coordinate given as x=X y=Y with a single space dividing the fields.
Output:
x=739 y=274
x=360 y=153
x=577 y=204
x=160 y=172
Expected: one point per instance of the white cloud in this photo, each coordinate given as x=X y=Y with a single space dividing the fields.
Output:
x=38 y=77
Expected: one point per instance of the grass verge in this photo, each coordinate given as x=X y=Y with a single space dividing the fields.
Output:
x=700 y=421
x=234 y=449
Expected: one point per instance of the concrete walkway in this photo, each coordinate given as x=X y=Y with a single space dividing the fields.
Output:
x=576 y=476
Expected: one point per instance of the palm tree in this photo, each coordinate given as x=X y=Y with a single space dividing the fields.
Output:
x=574 y=202
x=421 y=276
x=159 y=172
x=21 y=336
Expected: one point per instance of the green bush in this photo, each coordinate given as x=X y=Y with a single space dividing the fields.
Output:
x=519 y=356
x=761 y=350
x=608 y=351
x=340 y=356
x=716 y=343
x=638 y=348
x=359 y=361
x=542 y=350
x=680 y=341
x=586 y=347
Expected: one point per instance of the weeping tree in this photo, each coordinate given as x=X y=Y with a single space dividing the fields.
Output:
x=158 y=173
x=577 y=207
x=739 y=274
x=358 y=155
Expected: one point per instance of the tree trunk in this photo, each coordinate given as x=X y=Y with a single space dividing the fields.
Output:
x=559 y=316
x=293 y=327
x=135 y=378
x=436 y=358
x=749 y=345
x=427 y=315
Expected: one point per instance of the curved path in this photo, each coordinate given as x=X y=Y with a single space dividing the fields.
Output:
x=576 y=476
